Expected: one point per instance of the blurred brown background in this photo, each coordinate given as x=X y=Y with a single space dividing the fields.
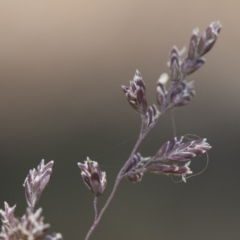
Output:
x=61 y=67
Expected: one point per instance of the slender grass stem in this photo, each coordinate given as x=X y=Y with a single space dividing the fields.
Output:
x=95 y=208
x=118 y=179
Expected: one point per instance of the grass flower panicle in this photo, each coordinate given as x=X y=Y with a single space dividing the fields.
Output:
x=172 y=158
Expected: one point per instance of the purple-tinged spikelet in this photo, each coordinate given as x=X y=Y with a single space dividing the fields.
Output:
x=151 y=117
x=94 y=179
x=54 y=236
x=136 y=93
x=36 y=181
x=7 y=216
x=177 y=170
x=161 y=91
x=30 y=226
x=199 y=46
x=176 y=150
x=183 y=94
x=175 y=63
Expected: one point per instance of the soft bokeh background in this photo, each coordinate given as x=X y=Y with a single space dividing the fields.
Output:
x=61 y=67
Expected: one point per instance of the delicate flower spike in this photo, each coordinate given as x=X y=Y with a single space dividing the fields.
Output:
x=176 y=150
x=170 y=170
x=175 y=63
x=54 y=236
x=199 y=46
x=183 y=94
x=161 y=91
x=36 y=181
x=151 y=117
x=7 y=215
x=30 y=227
x=136 y=94
x=209 y=38
x=94 y=179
